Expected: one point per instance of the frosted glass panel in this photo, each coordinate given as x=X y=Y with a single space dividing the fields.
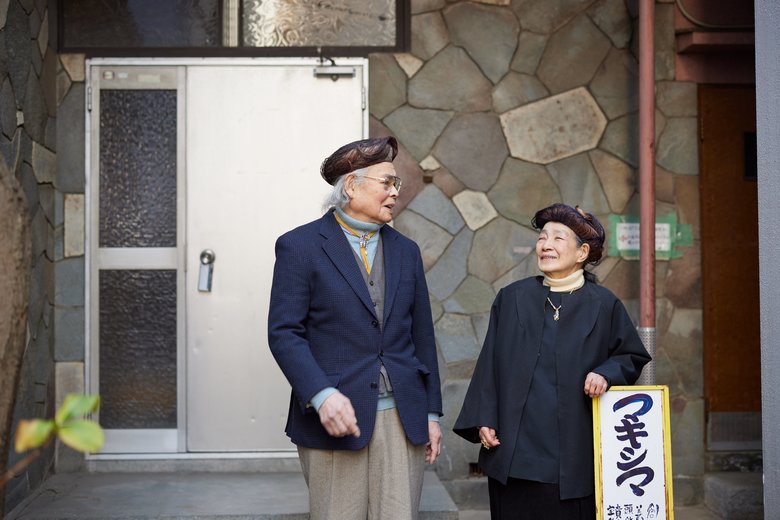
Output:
x=141 y=23
x=332 y=23
x=138 y=349
x=137 y=168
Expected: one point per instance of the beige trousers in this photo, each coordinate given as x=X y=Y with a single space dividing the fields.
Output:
x=383 y=481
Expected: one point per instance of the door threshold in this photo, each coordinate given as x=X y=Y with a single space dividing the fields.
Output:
x=233 y=462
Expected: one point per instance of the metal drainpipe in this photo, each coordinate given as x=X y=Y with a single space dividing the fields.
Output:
x=647 y=185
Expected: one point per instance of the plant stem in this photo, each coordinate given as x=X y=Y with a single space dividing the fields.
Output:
x=24 y=462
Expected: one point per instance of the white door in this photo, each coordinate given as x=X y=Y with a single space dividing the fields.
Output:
x=255 y=139
x=232 y=151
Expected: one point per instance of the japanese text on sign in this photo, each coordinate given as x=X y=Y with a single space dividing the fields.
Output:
x=670 y=237
x=627 y=238
x=633 y=477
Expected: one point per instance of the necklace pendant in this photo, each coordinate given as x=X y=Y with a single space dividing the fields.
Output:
x=557 y=313
x=363 y=240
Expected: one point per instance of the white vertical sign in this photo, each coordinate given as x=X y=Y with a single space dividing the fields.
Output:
x=633 y=454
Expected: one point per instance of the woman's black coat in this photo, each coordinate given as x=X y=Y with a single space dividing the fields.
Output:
x=595 y=336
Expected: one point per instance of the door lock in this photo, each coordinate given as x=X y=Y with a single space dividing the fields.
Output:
x=206 y=273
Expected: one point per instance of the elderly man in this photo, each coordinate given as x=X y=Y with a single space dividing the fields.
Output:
x=350 y=326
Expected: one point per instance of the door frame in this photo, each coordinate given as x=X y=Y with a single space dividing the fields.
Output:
x=151 y=443
x=172 y=76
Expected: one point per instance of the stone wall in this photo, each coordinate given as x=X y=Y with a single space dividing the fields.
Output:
x=28 y=144
x=41 y=111
x=69 y=347
x=503 y=107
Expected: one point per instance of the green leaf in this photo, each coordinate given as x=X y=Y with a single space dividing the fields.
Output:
x=32 y=434
x=76 y=407
x=84 y=435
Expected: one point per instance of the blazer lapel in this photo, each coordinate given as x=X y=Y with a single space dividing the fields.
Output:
x=339 y=251
x=392 y=267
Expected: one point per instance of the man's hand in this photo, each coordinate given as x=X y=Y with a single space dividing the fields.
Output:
x=338 y=416
x=433 y=448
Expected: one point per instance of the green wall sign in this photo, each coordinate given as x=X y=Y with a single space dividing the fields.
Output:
x=623 y=237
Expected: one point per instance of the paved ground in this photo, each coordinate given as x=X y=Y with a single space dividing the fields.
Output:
x=233 y=496
x=190 y=496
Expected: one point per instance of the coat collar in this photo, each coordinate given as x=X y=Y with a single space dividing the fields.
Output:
x=576 y=322
x=339 y=251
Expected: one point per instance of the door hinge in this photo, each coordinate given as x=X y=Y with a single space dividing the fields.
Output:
x=364 y=101
x=89 y=99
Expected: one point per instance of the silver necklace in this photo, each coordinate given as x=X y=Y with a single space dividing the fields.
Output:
x=557 y=315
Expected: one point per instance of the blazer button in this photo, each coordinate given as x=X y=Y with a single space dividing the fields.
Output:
x=381 y=353
x=374 y=323
x=374 y=385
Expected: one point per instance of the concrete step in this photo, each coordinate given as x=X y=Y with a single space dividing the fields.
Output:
x=186 y=496
x=699 y=512
x=472 y=491
x=734 y=495
x=470 y=494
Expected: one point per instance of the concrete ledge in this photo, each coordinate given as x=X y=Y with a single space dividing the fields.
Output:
x=187 y=496
x=469 y=493
x=688 y=490
x=436 y=503
x=736 y=496
x=197 y=464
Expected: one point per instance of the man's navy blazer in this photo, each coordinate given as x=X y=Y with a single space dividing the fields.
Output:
x=323 y=332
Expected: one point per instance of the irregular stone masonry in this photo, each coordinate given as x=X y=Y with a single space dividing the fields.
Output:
x=511 y=106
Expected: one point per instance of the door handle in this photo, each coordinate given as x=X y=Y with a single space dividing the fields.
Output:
x=206 y=273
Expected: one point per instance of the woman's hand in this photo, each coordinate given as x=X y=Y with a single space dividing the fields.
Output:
x=433 y=447
x=488 y=437
x=338 y=416
x=595 y=384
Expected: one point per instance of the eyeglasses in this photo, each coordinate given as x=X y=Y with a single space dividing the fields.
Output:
x=391 y=181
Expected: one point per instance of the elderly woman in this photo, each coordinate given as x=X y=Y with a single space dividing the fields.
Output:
x=350 y=326
x=553 y=343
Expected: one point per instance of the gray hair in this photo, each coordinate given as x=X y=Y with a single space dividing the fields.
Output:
x=338 y=197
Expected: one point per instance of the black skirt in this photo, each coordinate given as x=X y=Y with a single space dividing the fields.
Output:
x=529 y=500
